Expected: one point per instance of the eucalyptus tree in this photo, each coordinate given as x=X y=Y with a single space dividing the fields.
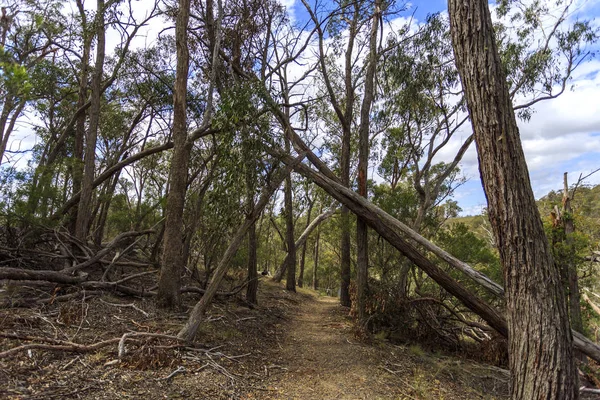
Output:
x=342 y=96
x=426 y=108
x=538 y=324
x=65 y=113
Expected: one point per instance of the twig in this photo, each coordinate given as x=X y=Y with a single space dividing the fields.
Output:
x=244 y=319
x=84 y=306
x=64 y=345
x=179 y=370
x=121 y=348
x=583 y=389
x=131 y=305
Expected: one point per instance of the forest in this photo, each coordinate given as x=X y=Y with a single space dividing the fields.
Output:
x=249 y=199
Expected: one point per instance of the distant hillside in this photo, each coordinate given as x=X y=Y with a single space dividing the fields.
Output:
x=585 y=204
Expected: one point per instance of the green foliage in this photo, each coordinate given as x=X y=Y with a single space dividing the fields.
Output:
x=462 y=243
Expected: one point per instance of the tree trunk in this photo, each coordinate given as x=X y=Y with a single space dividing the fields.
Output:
x=303 y=256
x=346 y=122
x=82 y=224
x=362 y=238
x=574 y=296
x=571 y=267
x=170 y=275
x=315 y=280
x=252 y=288
x=80 y=124
x=289 y=236
x=540 y=341
x=302 y=240
x=188 y=332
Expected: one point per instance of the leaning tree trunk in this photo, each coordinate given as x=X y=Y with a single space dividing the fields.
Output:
x=388 y=227
x=540 y=341
x=170 y=274
x=302 y=240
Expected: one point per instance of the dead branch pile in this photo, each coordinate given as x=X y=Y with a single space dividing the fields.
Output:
x=44 y=266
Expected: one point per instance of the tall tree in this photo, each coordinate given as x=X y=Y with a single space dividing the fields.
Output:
x=82 y=225
x=343 y=106
x=540 y=341
x=362 y=260
x=170 y=275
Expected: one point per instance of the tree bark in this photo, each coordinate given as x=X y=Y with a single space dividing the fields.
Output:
x=252 y=288
x=82 y=97
x=315 y=276
x=82 y=224
x=289 y=236
x=172 y=263
x=540 y=340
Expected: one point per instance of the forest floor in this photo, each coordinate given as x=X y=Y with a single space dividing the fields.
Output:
x=291 y=346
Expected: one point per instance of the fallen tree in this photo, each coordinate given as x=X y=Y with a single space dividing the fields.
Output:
x=383 y=224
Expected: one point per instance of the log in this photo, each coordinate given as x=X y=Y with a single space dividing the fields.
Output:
x=17 y=274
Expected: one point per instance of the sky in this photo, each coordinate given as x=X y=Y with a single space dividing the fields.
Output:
x=563 y=134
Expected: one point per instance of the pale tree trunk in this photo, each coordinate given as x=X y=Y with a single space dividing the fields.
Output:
x=302 y=240
x=303 y=255
x=315 y=277
x=169 y=283
x=188 y=332
x=362 y=242
x=540 y=340
x=82 y=224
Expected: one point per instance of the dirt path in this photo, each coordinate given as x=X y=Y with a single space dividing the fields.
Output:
x=292 y=346
x=318 y=358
